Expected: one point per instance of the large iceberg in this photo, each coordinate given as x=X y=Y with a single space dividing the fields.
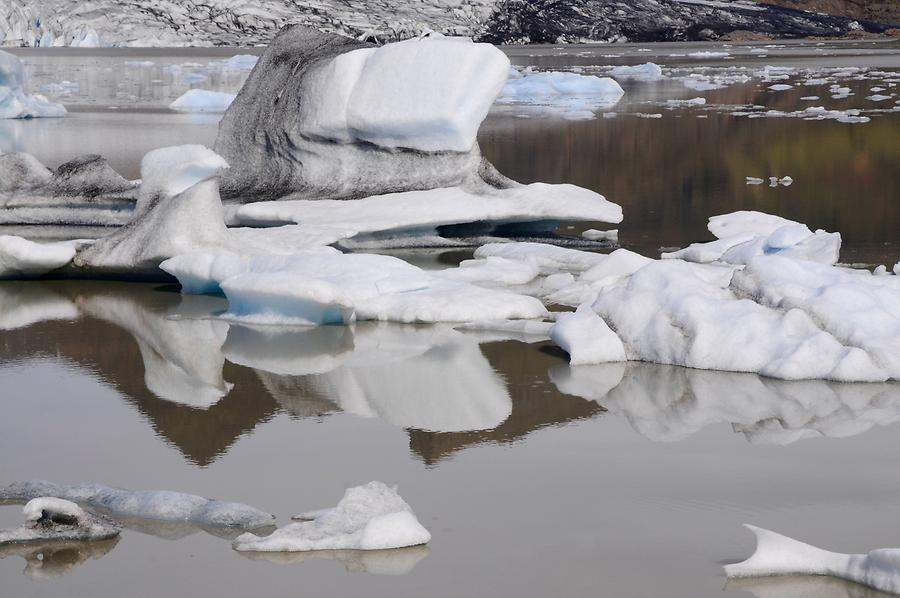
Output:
x=329 y=117
x=369 y=517
x=779 y=555
x=14 y=102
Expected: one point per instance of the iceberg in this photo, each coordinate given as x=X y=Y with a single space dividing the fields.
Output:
x=586 y=337
x=14 y=102
x=54 y=519
x=21 y=258
x=570 y=95
x=330 y=117
x=646 y=71
x=202 y=100
x=779 y=555
x=160 y=505
x=368 y=517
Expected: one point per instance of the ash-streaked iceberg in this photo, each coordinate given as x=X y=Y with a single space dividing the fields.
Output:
x=779 y=555
x=368 y=517
x=55 y=519
x=161 y=505
x=14 y=102
x=325 y=116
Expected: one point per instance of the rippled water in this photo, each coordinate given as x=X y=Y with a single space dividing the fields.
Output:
x=534 y=478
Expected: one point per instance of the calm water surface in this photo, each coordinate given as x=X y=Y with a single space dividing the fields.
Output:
x=534 y=478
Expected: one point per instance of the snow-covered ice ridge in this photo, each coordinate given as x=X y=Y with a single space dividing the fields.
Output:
x=779 y=555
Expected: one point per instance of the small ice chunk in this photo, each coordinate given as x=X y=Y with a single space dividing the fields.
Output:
x=569 y=94
x=752 y=180
x=708 y=54
x=779 y=555
x=368 y=517
x=53 y=519
x=23 y=258
x=646 y=71
x=586 y=338
x=780 y=87
x=202 y=100
x=879 y=97
x=593 y=234
x=690 y=102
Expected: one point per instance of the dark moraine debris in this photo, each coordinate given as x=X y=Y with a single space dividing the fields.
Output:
x=260 y=136
x=573 y=21
x=89 y=176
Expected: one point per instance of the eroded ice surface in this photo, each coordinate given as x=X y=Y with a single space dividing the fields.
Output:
x=14 y=102
x=149 y=504
x=779 y=555
x=54 y=519
x=368 y=517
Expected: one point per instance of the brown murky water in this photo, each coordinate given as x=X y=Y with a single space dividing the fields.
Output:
x=534 y=478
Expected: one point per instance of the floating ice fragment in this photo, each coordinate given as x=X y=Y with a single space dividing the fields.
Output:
x=369 y=517
x=780 y=87
x=593 y=234
x=23 y=258
x=752 y=180
x=708 y=54
x=691 y=102
x=569 y=94
x=158 y=505
x=54 y=519
x=647 y=71
x=779 y=555
x=14 y=102
x=879 y=97
x=202 y=100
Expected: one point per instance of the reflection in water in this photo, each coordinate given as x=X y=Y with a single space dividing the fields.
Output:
x=53 y=559
x=203 y=383
x=800 y=587
x=669 y=403
x=397 y=561
x=433 y=380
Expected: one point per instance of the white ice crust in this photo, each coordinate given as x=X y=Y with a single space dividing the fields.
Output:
x=36 y=508
x=14 y=102
x=22 y=258
x=368 y=517
x=427 y=94
x=779 y=555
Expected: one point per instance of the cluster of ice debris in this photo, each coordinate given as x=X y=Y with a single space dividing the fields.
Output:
x=14 y=101
x=408 y=157
x=369 y=517
x=779 y=555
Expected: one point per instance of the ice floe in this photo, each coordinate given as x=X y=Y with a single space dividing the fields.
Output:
x=14 y=102
x=54 y=519
x=570 y=95
x=646 y=71
x=779 y=555
x=202 y=100
x=368 y=517
x=160 y=505
x=586 y=337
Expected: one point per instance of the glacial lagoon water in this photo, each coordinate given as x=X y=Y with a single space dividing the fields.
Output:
x=535 y=478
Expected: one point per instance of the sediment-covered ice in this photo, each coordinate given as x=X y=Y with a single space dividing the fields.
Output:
x=14 y=102
x=354 y=135
x=569 y=94
x=178 y=211
x=202 y=100
x=151 y=504
x=368 y=517
x=779 y=555
x=54 y=519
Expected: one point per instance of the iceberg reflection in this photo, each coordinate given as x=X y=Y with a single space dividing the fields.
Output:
x=55 y=559
x=670 y=403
